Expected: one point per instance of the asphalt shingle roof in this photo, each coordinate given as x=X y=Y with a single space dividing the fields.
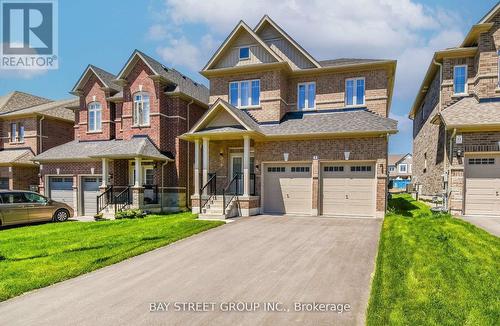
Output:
x=345 y=62
x=183 y=84
x=19 y=100
x=468 y=112
x=78 y=150
x=332 y=122
x=19 y=156
x=57 y=109
x=107 y=78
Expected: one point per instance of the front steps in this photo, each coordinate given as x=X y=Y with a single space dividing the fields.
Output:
x=214 y=210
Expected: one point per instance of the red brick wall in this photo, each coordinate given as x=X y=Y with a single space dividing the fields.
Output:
x=30 y=133
x=56 y=132
x=93 y=88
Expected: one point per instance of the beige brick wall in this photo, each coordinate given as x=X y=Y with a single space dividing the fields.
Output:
x=279 y=92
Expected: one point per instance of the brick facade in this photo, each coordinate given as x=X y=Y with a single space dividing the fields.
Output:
x=431 y=142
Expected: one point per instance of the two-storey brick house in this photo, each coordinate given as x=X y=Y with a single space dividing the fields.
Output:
x=30 y=125
x=126 y=150
x=456 y=123
x=400 y=167
x=288 y=134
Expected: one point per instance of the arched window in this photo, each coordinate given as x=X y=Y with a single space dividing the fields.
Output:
x=141 y=109
x=95 y=116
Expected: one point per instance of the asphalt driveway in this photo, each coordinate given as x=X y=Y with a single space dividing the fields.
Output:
x=272 y=262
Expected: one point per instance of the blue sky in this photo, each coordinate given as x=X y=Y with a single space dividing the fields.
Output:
x=184 y=34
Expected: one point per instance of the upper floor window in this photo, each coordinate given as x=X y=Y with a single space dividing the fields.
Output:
x=355 y=91
x=460 y=79
x=16 y=132
x=392 y=168
x=243 y=94
x=403 y=168
x=244 y=53
x=140 y=115
x=306 y=98
x=95 y=116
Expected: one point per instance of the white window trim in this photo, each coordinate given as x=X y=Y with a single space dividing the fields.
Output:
x=97 y=128
x=140 y=122
x=306 y=103
x=354 y=98
x=392 y=168
x=401 y=165
x=466 y=86
x=249 y=93
x=145 y=165
x=239 y=53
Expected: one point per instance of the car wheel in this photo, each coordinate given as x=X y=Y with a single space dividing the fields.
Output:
x=61 y=215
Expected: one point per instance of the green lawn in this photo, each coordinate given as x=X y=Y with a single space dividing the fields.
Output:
x=434 y=270
x=32 y=257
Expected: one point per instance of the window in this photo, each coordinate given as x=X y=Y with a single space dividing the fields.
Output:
x=333 y=169
x=16 y=132
x=276 y=169
x=392 y=168
x=300 y=169
x=354 y=91
x=402 y=168
x=460 y=79
x=13 y=198
x=95 y=115
x=245 y=93
x=149 y=176
x=35 y=198
x=306 y=96
x=244 y=53
x=361 y=168
x=140 y=114
x=482 y=161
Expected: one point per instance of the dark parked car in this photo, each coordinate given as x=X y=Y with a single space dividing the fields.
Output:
x=19 y=207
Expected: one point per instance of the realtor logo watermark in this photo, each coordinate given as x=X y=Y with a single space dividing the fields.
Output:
x=29 y=34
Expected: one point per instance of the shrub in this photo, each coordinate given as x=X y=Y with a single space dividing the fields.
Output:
x=129 y=213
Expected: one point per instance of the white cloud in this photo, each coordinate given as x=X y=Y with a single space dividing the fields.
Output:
x=392 y=29
x=22 y=73
x=157 y=32
x=181 y=52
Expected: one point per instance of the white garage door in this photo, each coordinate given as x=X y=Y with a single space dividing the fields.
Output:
x=482 y=185
x=90 y=186
x=348 y=189
x=61 y=189
x=287 y=188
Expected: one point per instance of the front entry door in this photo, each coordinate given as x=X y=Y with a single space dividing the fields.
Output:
x=237 y=168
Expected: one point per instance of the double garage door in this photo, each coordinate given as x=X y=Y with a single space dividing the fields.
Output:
x=61 y=189
x=482 y=185
x=346 y=189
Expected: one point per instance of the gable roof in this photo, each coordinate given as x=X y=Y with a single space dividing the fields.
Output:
x=241 y=26
x=16 y=156
x=246 y=121
x=106 y=78
x=486 y=18
x=394 y=159
x=267 y=20
x=19 y=100
x=56 y=109
x=179 y=83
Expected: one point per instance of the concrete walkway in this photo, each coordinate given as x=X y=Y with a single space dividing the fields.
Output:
x=264 y=259
x=489 y=224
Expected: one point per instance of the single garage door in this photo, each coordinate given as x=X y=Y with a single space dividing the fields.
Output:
x=287 y=188
x=482 y=185
x=90 y=186
x=61 y=189
x=348 y=189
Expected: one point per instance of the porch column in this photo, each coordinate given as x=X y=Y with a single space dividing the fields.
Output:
x=197 y=167
x=138 y=173
x=246 y=166
x=105 y=173
x=205 y=162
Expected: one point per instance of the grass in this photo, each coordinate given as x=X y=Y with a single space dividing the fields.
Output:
x=35 y=256
x=434 y=270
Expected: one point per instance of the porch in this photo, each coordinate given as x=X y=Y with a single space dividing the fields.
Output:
x=225 y=179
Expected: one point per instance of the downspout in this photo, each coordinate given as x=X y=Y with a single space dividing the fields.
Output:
x=448 y=172
x=40 y=128
x=440 y=108
x=188 y=201
x=162 y=185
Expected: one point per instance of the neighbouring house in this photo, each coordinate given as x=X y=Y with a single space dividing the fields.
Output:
x=400 y=166
x=288 y=134
x=30 y=125
x=126 y=152
x=456 y=123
